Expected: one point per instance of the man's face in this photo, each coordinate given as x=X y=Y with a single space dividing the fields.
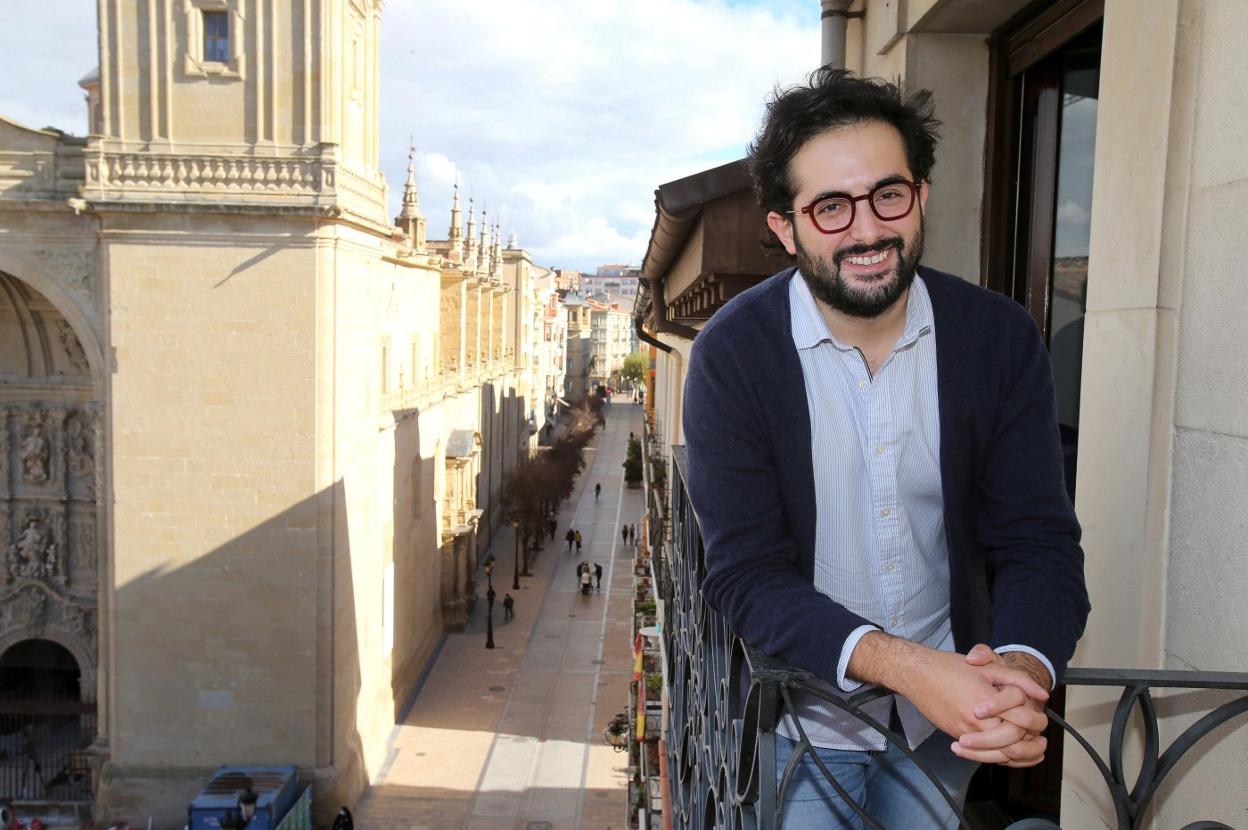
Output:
x=863 y=270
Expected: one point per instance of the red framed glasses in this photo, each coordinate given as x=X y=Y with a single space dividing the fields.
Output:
x=888 y=201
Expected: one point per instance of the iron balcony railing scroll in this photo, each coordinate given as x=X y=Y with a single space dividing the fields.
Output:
x=725 y=698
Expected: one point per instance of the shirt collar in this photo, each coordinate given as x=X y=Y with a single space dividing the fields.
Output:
x=809 y=328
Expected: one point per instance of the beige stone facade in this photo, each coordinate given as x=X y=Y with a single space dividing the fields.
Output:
x=611 y=327
x=252 y=435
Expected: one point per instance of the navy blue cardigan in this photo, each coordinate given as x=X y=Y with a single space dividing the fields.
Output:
x=1015 y=565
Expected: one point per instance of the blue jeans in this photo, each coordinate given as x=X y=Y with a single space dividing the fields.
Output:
x=886 y=784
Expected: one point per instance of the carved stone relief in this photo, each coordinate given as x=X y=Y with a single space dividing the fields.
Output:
x=27 y=605
x=38 y=548
x=35 y=448
x=48 y=512
x=33 y=606
x=4 y=458
x=71 y=346
x=84 y=551
x=80 y=442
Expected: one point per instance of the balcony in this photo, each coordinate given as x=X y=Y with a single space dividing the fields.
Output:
x=722 y=700
x=290 y=179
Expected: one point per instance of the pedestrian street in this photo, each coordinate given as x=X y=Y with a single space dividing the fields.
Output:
x=511 y=737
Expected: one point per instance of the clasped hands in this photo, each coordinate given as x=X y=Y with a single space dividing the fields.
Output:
x=1012 y=719
x=993 y=702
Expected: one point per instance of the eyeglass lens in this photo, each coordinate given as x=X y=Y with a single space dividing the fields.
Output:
x=888 y=201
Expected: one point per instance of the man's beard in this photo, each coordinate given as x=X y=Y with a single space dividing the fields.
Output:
x=828 y=284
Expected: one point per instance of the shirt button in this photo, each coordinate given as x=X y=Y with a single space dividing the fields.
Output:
x=862 y=384
x=894 y=622
x=890 y=567
x=879 y=450
x=886 y=512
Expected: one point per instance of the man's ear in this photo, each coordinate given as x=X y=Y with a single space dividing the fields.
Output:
x=783 y=229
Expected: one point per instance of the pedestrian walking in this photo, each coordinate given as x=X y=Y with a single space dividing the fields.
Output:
x=597 y=491
x=597 y=577
x=580 y=569
x=624 y=533
x=570 y=537
x=509 y=607
x=578 y=541
x=552 y=524
x=585 y=580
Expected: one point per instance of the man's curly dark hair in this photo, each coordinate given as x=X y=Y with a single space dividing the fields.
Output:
x=829 y=99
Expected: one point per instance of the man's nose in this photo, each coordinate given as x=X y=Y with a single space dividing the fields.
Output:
x=867 y=228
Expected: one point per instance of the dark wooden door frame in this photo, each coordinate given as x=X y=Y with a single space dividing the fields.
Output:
x=1020 y=202
x=1021 y=149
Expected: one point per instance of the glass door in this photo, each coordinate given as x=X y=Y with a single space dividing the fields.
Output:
x=1037 y=215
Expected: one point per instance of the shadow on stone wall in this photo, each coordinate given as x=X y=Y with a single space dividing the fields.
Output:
x=230 y=660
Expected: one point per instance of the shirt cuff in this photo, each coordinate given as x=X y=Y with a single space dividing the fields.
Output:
x=851 y=642
x=1035 y=654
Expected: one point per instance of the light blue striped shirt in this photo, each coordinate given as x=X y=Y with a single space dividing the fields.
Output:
x=880 y=547
x=880 y=532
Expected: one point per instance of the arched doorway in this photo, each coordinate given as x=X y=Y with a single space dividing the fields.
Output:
x=45 y=727
x=51 y=447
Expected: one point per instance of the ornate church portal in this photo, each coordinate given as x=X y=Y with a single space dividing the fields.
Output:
x=50 y=439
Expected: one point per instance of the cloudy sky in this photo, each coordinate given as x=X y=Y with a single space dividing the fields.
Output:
x=561 y=116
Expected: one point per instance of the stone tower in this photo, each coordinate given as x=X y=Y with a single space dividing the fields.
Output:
x=232 y=168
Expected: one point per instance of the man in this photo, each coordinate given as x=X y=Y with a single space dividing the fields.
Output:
x=874 y=461
x=570 y=537
x=597 y=577
x=509 y=607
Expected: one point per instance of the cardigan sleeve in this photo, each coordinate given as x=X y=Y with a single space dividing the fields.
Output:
x=1027 y=526
x=753 y=576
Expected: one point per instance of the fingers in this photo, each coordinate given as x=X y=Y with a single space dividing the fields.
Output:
x=982 y=655
x=1028 y=719
x=998 y=675
x=1025 y=753
x=998 y=737
x=1004 y=699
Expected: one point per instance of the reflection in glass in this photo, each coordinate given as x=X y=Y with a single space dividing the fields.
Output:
x=1072 y=224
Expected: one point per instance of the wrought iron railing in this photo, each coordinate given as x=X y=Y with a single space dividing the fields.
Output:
x=43 y=748
x=725 y=699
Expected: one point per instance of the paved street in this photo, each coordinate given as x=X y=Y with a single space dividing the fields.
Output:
x=511 y=738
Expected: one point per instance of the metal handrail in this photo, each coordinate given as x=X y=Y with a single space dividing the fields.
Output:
x=725 y=698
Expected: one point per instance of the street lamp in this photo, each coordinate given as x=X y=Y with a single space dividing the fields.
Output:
x=515 y=579
x=489 y=601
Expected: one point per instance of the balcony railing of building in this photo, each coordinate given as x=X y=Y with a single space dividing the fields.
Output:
x=723 y=700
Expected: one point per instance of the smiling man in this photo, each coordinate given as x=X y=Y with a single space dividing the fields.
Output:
x=875 y=464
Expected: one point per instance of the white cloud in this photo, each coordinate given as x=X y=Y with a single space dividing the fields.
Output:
x=567 y=115
x=1071 y=212
x=562 y=116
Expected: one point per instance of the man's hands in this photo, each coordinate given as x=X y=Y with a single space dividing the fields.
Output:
x=994 y=702
x=1018 y=740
